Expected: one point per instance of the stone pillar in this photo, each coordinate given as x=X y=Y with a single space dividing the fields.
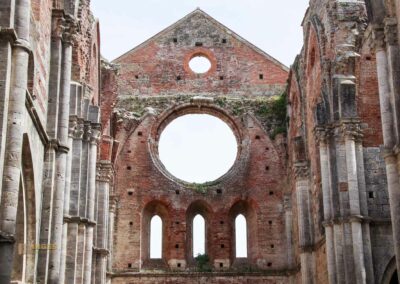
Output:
x=13 y=143
x=388 y=137
x=289 y=236
x=94 y=139
x=352 y=130
x=104 y=177
x=322 y=134
x=110 y=236
x=71 y=133
x=73 y=220
x=61 y=157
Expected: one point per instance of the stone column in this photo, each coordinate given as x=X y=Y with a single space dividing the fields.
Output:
x=61 y=158
x=13 y=144
x=289 y=236
x=352 y=130
x=71 y=133
x=94 y=139
x=322 y=134
x=389 y=137
x=104 y=177
x=73 y=220
x=110 y=236
x=304 y=222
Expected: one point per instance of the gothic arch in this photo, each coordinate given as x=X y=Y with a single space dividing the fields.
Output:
x=390 y=273
x=202 y=208
x=154 y=208
x=25 y=250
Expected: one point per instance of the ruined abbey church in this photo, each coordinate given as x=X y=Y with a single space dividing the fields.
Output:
x=317 y=172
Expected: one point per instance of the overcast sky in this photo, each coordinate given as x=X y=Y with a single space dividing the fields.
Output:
x=272 y=25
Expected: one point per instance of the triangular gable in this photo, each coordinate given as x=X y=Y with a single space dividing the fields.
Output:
x=216 y=23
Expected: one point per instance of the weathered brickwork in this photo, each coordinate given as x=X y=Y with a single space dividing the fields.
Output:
x=316 y=175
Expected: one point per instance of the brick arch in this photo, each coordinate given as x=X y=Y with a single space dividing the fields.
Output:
x=205 y=210
x=151 y=209
x=248 y=209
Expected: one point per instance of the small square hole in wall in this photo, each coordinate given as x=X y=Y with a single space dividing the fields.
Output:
x=175 y=40
x=177 y=223
x=136 y=76
x=368 y=58
x=267 y=149
x=267 y=168
x=270 y=222
x=176 y=246
x=199 y=43
x=271 y=193
x=129 y=151
x=222 y=246
x=219 y=191
x=130 y=193
x=272 y=246
x=261 y=76
x=129 y=265
x=178 y=78
x=177 y=192
x=221 y=264
x=258 y=137
x=221 y=222
x=269 y=264
x=371 y=194
x=140 y=133
x=179 y=265
x=131 y=223
x=129 y=168
x=221 y=78
x=224 y=40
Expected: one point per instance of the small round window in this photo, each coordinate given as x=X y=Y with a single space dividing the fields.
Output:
x=200 y=64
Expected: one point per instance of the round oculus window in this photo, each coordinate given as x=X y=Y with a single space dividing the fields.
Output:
x=200 y=64
x=197 y=148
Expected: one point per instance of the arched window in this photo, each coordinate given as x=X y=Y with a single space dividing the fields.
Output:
x=199 y=235
x=241 y=236
x=156 y=233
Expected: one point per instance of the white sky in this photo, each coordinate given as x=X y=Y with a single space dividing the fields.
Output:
x=272 y=25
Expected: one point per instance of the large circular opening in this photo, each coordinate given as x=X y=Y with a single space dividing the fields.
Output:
x=197 y=148
x=200 y=64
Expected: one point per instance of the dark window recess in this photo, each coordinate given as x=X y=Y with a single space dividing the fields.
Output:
x=199 y=43
x=177 y=246
x=221 y=264
x=175 y=40
x=178 y=78
x=177 y=192
x=140 y=133
x=219 y=191
x=261 y=76
x=129 y=265
x=221 y=78
x=224 y=40
x=129 y=168
x=179 y=265
x=130 y=193
x=222 y=246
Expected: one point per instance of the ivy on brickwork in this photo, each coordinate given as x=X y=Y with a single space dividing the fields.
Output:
x=270 y=111
x=201 y=187
x=203 y=263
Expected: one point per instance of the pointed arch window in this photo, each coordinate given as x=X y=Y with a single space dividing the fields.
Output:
x=156 y=237
x=241 y=236
x=199 y=235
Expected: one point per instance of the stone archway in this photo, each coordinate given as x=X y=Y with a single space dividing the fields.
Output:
x=25 y=252
x=390 y=275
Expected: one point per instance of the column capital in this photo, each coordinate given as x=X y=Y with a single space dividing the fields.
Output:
x=322 y=133
x=391 y=31
x=79 y=130
x=351 y=130
x=57 y=24
x=105 y=172
x=73 y=123
x=87 y=134
x=301 y=170
x=378 y=35
x=95 y=133
x=70 y=31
